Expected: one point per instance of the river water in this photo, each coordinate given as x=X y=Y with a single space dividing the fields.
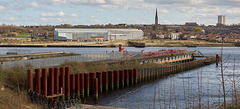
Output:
x=177 y=91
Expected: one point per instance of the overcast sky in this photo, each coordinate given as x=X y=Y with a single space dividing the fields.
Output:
x=87 y=12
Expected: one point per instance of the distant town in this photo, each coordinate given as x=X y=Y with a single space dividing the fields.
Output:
x=190 y=30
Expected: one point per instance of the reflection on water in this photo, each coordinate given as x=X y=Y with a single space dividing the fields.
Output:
x=177 y=91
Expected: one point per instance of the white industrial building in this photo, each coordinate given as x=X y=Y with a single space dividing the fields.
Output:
x=96 y=34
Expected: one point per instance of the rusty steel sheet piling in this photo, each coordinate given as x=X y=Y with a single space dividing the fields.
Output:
x=56 y=81
x=77 y=77
x=121 y=78
x=126 y=77
x=82 y=85
x=111 y=80
x=72 y=85
x=105 y=81
x=99 y=76
x=51 y=81
x=67 y=81
x=116 y=79
x=95 y=84
x=44 y=81
x=86 y=81
x=92 y=75
x=30 y=80
x=37 y=81
x=135 y=75
x=62 y=82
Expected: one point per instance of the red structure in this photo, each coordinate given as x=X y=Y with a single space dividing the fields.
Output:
x=77 y=77
x=82 y=85
x=30 y=80
x=67 y=77
x=126 y=77
x=116 y=79
x=62 y=81
x=72 y=84
x=99 y=76
x=37 y=81
x=44 y=81
x=51 y=81
x=95 y=84
x=111 y=78
x=86 y=81
x=56 y=81
x=105 y=81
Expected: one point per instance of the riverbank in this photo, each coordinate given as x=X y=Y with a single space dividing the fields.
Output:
x=148 y=43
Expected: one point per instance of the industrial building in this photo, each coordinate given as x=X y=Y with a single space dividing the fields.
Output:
x=96 y=34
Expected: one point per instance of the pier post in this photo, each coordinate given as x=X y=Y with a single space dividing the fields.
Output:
x=92 y=77
x=95 y=83
x=86 y=81
x=72 y=85
x=82 y=85
x=51 y=81
x=77 y=77
x=30 y=80
x=121 y=78
x=131 y=76
x=56 y=81
x=67 y=77
x=44 y=81
x=116 y=78
x=62 y=82
x=99 y=76
x=126 y=78
x=37 y=81
x=111 y=78
x=135 y=74
x=217 y=59
x=105 y=81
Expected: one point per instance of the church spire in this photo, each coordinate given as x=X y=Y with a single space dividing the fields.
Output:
x=156 y=21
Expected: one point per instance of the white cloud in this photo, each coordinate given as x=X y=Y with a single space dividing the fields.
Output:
x=73 y=15
x=33 y=4
x=2 y=8
x=92 y=17
x=100 y=10
x=163 y=11
x=57 y=14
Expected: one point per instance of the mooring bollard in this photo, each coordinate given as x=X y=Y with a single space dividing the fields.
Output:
x=44 y=81
x=116 y=79
x=217 y=59
x=99 y=76
x=122 y=78
x=62 y=82
x=37 y=81
x=30 y=80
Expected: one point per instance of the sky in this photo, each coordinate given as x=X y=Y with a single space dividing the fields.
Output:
x=90 y=12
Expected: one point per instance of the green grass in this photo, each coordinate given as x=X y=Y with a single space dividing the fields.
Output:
x=23 y=34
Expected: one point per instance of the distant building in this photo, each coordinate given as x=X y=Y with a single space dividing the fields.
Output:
x=156 y=21
x=191 y=24
x=96 y=34
x=222 y=19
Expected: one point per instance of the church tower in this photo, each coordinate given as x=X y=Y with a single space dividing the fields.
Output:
x=156 y=21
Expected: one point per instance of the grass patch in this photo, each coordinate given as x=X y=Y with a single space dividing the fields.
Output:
x=23 y=34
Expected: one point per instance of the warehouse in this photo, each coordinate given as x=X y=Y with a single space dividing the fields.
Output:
x=96 y=34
